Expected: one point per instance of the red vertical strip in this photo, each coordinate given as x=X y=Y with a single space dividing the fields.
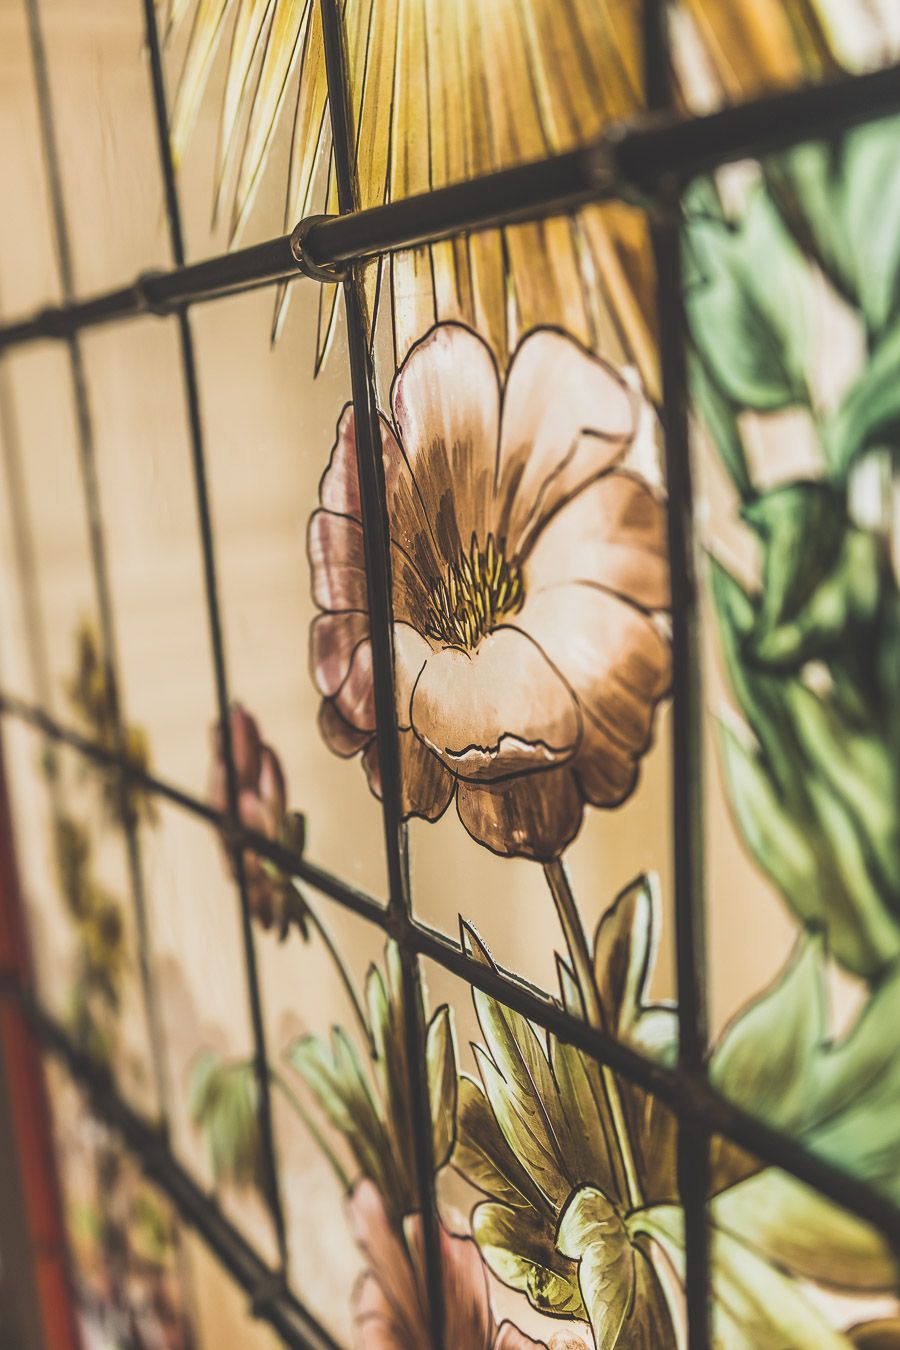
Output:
x=35 y=1159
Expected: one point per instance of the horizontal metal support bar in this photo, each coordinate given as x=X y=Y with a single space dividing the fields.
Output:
x=689 y=1095
x=269 y=1298
x=633 y=161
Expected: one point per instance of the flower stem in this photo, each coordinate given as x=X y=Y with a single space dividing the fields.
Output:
x=580 y=956
x=342 y=971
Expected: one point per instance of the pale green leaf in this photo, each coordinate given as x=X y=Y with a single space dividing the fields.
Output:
x=592 y=1233
x=624 y=953
x=442 y=1084
x=483 y=1156
x=518 y=1246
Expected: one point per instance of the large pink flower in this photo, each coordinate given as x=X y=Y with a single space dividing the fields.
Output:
x=391 y=1302
x=527 y=566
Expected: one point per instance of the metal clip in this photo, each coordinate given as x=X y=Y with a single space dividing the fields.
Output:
x=329 y=272
x=148 y=305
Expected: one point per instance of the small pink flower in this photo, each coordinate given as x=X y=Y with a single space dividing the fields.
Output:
x=262 y=803
x=391 y=1301
x=528 y=569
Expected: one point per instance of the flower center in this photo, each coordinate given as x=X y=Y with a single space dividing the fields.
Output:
x=478 y=592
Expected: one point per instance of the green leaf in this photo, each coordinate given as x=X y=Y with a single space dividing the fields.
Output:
x=719 y=414
x=822 y=578
x=518 y=1246
x=440 y=1054
x=584 y=1104
x=483 y=1156
x=841 y=1099
x=223 y=1106
x=842 y=201
x=624 y=953
x=592 y=1233
x=767 y=1055
x=803 y=1232
x=754 y=1304
x=868 y=418
x=751 y=307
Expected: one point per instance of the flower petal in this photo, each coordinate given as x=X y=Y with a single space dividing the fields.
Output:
x=411 y=651
x=246 y=746
x=355 y=700
x=609 y=652
x=333 y=638
x=426 y=786
x=556 y=392
x=469 y=1323
x=511 y=1338
x=272 y=787
x=535 y=815
x=338 y=735
x=337 y=561
x=499 y=709
x=339 y=492
x=401 y=1304
x=339 y=488
x=606 y=771
x=338 y=564
x=446 y=402
x=613 y=533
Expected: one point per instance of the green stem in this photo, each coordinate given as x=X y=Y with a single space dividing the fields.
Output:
x=579 y=953
x=318 y=1136
x=343 y=973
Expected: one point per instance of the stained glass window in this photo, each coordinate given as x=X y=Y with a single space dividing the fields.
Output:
x=450 y=887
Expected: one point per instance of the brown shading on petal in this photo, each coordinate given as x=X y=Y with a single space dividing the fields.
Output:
x=426 y=787
x=555 y=392
x=340 y=737
x=511 y=1338
x=614 y=534
x=606 y=771
x=446 y=402
x=499 y=709
x=533 y=816
x=339 y=492
x=610 y=653
x=333 y=638
x=246 y=746
x=355 y=700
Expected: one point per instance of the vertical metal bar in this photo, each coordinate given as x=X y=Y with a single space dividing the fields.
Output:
x=377 y=547
x=97 y=547
x=687 y=706
x=214 y=617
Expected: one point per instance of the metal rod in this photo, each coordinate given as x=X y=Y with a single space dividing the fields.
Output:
x=217 y=641
x=686 y=782
x=630 y=161
x=377 y=551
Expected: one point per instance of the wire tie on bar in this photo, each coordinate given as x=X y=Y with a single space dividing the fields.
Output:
x=327 y=272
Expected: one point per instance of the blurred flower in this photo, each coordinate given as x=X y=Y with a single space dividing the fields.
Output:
x=262 y=807
x=391 y=1301
x=526 y=568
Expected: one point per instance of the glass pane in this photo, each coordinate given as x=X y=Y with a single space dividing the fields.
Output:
x=791 y=1267
x=151 y=538
x=49 y=556
x=28 y=275
x=79 y=904
x=106 y=136
x=131 y=1277
x=556 y=1163
x=270 y=429
x=793 y=314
